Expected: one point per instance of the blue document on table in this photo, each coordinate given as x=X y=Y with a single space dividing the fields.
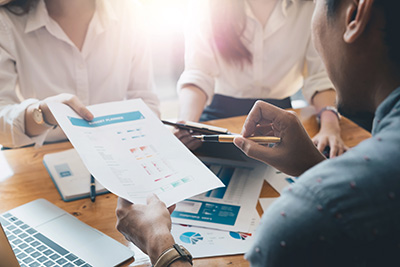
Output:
x=229 y=208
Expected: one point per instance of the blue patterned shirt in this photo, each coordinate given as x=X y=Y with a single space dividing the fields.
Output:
x=344 y=211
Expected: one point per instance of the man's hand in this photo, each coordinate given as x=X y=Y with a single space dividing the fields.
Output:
x=295 y=154
x=147 y=226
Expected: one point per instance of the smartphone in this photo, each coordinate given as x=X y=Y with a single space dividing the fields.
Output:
x=198 y=127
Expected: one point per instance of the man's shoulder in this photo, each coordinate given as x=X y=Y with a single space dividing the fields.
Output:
x=376 y=156
x=360 y=186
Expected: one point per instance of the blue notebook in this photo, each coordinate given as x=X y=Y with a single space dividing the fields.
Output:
x=70 y=175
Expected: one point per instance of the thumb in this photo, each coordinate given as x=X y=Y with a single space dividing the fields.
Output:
x=80 y=108
x=152 y=198
x=251 y=149
x=123 y=203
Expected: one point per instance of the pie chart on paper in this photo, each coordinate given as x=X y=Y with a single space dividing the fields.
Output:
x=190 y=238
x=241 y=236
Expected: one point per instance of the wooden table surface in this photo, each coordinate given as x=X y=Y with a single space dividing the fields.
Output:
x=23 y=178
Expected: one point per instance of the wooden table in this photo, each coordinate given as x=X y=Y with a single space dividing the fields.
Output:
x=23 y=178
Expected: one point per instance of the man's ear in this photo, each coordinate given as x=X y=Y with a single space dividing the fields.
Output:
x=358 y=14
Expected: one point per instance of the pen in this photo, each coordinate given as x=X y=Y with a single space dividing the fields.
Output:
x=92 y=189
x=222 y=138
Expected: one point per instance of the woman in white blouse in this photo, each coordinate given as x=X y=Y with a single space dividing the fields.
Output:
x=243 y=50
x=76 y=52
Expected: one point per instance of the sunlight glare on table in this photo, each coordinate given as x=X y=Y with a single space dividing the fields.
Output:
x=5 y=169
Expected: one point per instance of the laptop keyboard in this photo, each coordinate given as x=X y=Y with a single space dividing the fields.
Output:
x=33 y=249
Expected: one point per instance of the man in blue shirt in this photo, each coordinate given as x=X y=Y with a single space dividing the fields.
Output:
x=341 y=212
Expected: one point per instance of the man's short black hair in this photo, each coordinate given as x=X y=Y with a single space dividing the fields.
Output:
x=332 y=6
x=391 y=30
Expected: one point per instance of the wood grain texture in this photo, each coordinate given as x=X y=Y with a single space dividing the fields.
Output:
x=29 y=181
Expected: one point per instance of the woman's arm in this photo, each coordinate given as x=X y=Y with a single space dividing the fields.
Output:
x=197 y=82
x=329 y=133
x=191 y=101
x=319 y=92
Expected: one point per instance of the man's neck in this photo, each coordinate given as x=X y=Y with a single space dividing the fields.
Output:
x=386 y=85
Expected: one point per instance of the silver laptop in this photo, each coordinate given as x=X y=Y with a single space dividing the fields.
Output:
x=41 y=234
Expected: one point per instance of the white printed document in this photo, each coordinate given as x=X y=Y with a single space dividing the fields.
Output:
x=278 y=179
x=206 y=242
x=229 y=208
x=132 y=154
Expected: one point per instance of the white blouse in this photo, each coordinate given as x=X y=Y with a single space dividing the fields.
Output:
x=38 y=60
x=281 y=50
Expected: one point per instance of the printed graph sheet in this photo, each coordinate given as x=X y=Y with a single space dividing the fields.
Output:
x=131 y=153
x=206 y=242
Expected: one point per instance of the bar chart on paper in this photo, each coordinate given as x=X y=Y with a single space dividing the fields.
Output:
x=129 y=150
x=224 y=173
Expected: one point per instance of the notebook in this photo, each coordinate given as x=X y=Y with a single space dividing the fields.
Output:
x=41 y=234
x=70 y=175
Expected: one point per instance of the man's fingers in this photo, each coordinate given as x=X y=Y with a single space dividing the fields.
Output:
x=251 y=149
x=260 y=111
x=123 y=203
x=265 y=130
x=171 y=209
x=152 y=198
x=122 y=208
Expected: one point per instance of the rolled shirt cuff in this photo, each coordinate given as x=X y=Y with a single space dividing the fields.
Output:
x=198 y=78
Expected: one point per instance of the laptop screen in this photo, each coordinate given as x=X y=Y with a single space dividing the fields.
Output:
x=6 y=253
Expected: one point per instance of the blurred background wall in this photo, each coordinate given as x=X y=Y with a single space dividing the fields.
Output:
x=166 y=20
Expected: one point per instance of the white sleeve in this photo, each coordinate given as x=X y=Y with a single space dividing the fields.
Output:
x=317 y=78
x=12 y=108
x=141 y=84
x=201 y=66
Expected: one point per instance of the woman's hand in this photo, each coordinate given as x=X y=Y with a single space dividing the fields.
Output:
x=329 y=135
x=33 y=129
x=70 y=100
x=295 y=154
x=147 y=226
x=186 y=138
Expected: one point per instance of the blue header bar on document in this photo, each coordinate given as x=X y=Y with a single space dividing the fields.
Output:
x=106 y=120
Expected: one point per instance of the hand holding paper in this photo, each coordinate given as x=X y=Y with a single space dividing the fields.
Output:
x=131 y=153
